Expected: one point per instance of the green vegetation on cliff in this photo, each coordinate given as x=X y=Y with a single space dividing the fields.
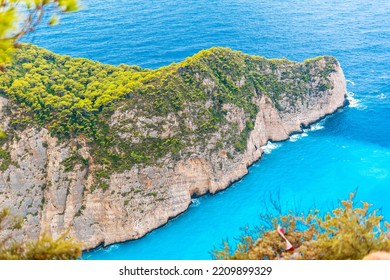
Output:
x=78 y=98
x=5 y=158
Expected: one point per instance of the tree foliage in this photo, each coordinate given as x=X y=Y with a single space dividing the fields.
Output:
x=347 y=232
x=19 y=17
x=45 y=248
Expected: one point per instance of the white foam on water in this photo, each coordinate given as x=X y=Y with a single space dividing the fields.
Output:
x=110 y=248
x=350 y=82
x=305 y=132
x=381 y=96
x=195 y=202
x=267 y=149
x=296 y=137
x=353 y=102
x=317 y=126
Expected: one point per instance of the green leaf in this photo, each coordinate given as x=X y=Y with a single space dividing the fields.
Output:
x=54 y=20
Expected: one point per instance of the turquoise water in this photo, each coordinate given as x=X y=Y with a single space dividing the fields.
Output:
x=348 y=150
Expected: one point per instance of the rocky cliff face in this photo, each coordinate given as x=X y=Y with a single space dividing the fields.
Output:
x=52 y=198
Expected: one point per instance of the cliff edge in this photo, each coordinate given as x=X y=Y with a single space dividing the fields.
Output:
x=112 y=153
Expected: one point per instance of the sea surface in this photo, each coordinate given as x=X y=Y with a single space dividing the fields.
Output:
x=348 y=150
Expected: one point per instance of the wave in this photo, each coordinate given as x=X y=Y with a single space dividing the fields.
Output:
x=317 y=126
x=267 y=149
x=353 y=102
x=110 y=248
x=314 y=127
x=296 y=137
x=381 y=96
x=350 y=82
x=195 y=202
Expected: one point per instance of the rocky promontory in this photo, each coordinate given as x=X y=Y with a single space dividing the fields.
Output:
x=112 y=152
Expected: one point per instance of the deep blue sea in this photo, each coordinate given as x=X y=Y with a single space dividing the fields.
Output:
x=348 y=150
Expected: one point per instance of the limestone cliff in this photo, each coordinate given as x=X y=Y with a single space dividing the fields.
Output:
x=53 y=197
